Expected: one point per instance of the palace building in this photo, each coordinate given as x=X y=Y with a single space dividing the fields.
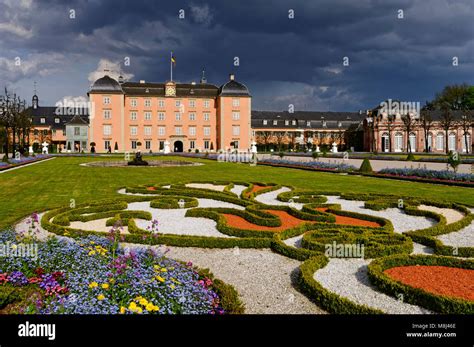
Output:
x=184 y=116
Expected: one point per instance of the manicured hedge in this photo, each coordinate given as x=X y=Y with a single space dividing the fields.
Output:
x=437 y=303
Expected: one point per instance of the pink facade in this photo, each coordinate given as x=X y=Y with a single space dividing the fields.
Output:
x=187 y=117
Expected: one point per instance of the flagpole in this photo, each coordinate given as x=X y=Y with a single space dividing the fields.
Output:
x=171 y=66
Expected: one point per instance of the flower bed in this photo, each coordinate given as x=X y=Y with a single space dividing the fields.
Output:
x=431 y=174
x=313 y=165
x=93 y=275
x=22 y=161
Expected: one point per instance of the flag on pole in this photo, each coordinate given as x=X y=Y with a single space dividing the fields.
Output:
x=173 y=59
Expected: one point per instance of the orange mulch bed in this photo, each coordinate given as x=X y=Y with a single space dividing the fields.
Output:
x=255 y=189
x=150 y=188
x=350 y=220
x=440 y=280
x=287 y=221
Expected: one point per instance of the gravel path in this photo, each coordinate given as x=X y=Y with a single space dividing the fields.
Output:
x=173 y=221
x=294 y=241
x=461 y=238
x=238 y=189
x=450 y=214
x=418 y=248
x=270 y=198
x=216 y=187
x=401 y=221
x=96 y=225
x=348 y=278
x=262 y=278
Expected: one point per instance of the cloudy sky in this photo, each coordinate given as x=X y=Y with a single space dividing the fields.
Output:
x=64 y=46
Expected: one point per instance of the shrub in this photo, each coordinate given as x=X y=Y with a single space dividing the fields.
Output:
x=315 y=155
x=281 y=155
x=410 y=157
x=366 y=167
x=454 y=160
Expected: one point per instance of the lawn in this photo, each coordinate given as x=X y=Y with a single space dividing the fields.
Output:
x=55 y=182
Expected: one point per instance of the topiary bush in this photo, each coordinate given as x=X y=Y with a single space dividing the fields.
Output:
x=366 y=167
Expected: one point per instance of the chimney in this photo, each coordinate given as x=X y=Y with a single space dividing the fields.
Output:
x=142 y=81
x=231 y=76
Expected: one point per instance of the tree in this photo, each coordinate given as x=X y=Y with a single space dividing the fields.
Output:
x=280 y=136
x=454 y=97
x=426 y=123
x=389 y=124
x=447 y=122
x=263 y=137
x=408 y=125
x=466 y=124
x=12 y=109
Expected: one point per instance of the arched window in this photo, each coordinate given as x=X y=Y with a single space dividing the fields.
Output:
x=412 y=140
x=385 y=142
x=439 y=141
x=467 y=137
x=452 y=142
x=430 y=142
x=398 y=142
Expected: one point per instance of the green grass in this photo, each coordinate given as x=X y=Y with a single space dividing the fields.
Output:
x=55 y=182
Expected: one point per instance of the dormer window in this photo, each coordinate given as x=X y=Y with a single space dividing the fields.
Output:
x=42 y=120
x=275 y=122
x=308 y=123
x=324 y=123
x=339 y=124
x=293 y=122
x=56 y=120
x=287 y=122
x=265 y=122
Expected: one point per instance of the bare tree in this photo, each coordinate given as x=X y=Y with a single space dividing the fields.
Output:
x=280 y=136
x=447 y=122
x=408 y=125
x=426 y=123
x=466 y=124
x=264 y=137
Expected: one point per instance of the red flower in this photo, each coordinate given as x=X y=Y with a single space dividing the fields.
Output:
x=39 y=271
x=3 y=278
x=34 y=280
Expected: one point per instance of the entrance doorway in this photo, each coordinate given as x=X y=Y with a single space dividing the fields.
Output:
x=178 y=146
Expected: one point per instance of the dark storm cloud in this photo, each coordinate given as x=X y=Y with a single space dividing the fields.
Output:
x=282 y=61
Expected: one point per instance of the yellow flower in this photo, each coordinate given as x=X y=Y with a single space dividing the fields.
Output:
x=163 y=270
x=112 y=280
x=93 y=285
x=105 y=286
x=100 y=297
x=143 y=302
x=122 y=310
x=139 y=310
x=92 y=253
x=156 y=267
x=172 y=286
x=92 y=243
x=150 y=307
x=132 y=306
x=159 y=278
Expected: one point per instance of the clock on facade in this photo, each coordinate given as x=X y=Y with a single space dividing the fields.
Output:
x=170 y=90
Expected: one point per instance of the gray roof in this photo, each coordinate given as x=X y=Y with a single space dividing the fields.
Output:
x=106 y=84
x=182 y=89
x=77 y=120
x=318 y=120
x=51 y=113
x=233 y=88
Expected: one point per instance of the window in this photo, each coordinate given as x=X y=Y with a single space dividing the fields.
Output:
x=235 y=115
x=107 y=114
x=192 y=144
x=275 y=122
x=77 y=131
x=324 y=124
x=147 y=103
x=207 y=131
x=161 y=131
x=293 y=122
x=287 y=122
x=265 y=122
x=308 y=123
x=192 y=103
x=192 y=131
x=398 y=142
x=440 y=141
x=236 y=144
x=107 y=144
x=147 y=144
x=161 y=116
x=161 y=103
x=207 y=116
x=45 y=132
x=177 y=116
x=42 y=120
x=452 y=142
x=133 y=102
x=206 y=144
x=107 y=130
x=192 y=116
x=147 y=115
x=235 y=102
x=54 y=132
x=147 y=130
x=36 y=132
x=106 y=100
x=133 y=131
x=134 y=144
x=178 y=130
x=133 y=116
x=412 y=140
x=430 y=142
x=466 y=138
x=178 y=103
x=207 y=103
x=161 y=145
x=57 y=120
x=64 y=132
x=236 y=130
